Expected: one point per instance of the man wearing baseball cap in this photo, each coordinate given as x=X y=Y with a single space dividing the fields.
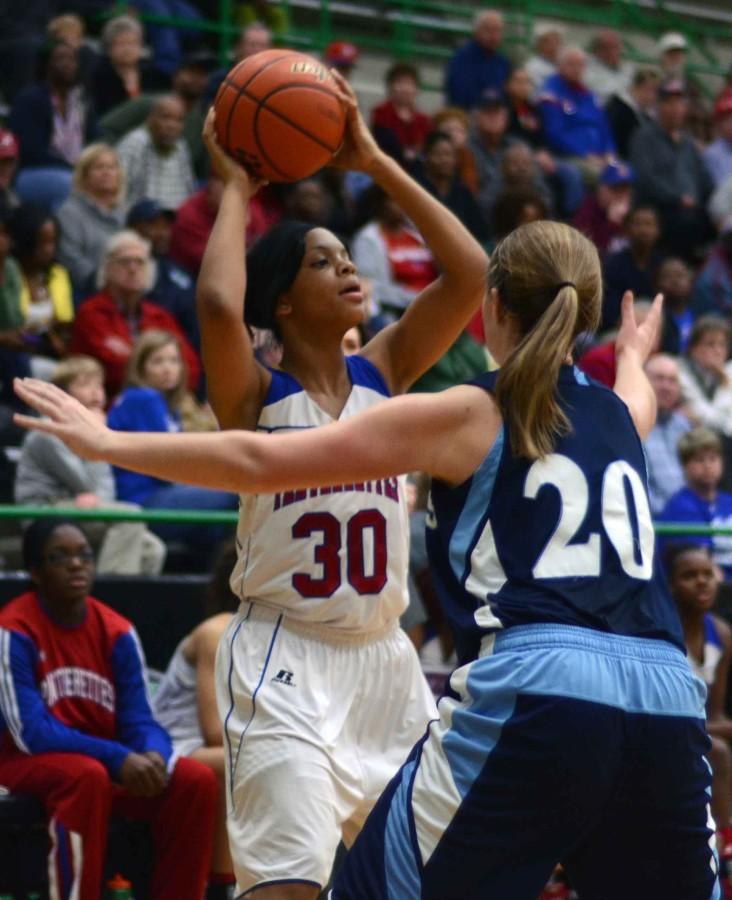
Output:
x=173 y=289
x=9 y=152
x=670 y=172
x=341 y=55
x=718 y=155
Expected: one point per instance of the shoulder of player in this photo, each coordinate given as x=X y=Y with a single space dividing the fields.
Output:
x=114 y=623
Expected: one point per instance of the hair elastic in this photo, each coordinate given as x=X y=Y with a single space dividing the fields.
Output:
x=566 y=284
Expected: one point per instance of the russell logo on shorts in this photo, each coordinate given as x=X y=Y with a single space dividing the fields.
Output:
x=284 y=677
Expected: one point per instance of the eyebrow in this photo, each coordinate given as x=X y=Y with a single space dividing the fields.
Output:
x=325 y=248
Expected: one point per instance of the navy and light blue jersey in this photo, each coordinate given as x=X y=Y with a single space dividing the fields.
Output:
x=567 y=539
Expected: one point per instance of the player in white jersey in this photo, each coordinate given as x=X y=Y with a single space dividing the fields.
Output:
x=320 y=693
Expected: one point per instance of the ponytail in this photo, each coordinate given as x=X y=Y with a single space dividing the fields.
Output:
x=548 y=278
x=527 y=381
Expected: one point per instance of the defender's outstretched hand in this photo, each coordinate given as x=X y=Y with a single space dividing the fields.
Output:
x=79 y=428
x=634 y=338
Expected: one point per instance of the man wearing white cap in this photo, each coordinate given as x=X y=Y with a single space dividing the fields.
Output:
x=672 y=49
x=543 y=62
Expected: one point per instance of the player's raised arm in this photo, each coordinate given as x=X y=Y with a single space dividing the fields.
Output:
x=437 y=316
x=633 y=346
x=406 y=434
x=236 y=382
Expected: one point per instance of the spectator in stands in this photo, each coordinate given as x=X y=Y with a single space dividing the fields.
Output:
x=397 y=124
x=69 y=28
x=253 y=39
x=673 y=52
x=8 y=167
x=516 y=206
x=674 y=281
x=107 y=323
x=52 y=121
x=575 y=124
x=440 y=176
x=93 y=212
x=478 y=64
x=694 y=584
x=633 y=267
x=122 y=73
x=185 y=701
x=310 y=200
x=525 y=124
x=548 y=41
x=15 y=346
x=155 y=157
x=603 y=212
x=189 y=84
x=194 y=220
x=607 y=73
x=628 y=109
x=173 y=289
x=169 y=42
x=700 y=501
x=670 y=172
x=713 y=285
x=454 y=121
x=706 y=384
x=718 y=155
x=45 y=306
x=518 y=169
x=49 y=474
x=489 y=141
x=78 y=732
x=665 y=475
x=390 y=252
x=341 y=55
x=154 y=399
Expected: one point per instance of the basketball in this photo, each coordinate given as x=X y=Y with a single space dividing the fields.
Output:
x=278 y=114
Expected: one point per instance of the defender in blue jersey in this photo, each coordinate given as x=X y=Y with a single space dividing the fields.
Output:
x=577 y=735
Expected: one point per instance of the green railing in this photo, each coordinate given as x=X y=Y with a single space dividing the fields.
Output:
x=429 y=29
x=200 y=517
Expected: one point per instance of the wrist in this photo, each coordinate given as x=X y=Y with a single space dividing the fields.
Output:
x=380 y=165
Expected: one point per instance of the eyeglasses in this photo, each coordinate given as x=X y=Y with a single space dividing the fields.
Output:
x=129 y=260
x=62 y=558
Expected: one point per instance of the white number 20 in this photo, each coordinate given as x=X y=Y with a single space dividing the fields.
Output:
x=562 y=559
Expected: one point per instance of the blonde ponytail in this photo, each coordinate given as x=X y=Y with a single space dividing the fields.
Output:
x=548 y=277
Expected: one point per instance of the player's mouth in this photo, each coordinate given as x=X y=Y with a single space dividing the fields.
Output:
x=352 y=291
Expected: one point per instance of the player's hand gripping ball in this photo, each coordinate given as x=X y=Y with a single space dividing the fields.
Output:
x=279 y=114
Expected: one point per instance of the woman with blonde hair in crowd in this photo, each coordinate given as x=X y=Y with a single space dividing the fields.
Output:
x=156 y=398
x=93 y=212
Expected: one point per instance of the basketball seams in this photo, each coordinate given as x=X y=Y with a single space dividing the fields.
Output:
x=280 y=115
x=265 y=155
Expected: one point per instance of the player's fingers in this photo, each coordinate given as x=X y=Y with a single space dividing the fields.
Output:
x=626 y=307
x=32 y=423
x=208 y=124
x=36 y=399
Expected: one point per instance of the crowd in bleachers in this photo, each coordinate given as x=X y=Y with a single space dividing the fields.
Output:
x=107 y=201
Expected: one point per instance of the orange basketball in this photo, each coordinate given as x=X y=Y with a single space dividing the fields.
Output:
x=278 y=114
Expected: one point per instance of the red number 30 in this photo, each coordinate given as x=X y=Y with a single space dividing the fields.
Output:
x=328 y=553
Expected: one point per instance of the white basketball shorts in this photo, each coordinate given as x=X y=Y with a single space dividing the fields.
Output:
x=313 y=731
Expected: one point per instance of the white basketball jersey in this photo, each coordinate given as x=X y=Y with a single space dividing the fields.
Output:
x=334 y=556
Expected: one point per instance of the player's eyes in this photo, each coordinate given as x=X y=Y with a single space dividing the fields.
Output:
x=320 y=263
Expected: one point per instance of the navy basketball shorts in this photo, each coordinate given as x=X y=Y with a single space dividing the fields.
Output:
x=567 y=745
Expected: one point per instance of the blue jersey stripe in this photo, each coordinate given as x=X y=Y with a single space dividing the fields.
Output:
x=474 y=511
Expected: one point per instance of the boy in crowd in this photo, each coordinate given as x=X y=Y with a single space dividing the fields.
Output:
x=701 y=501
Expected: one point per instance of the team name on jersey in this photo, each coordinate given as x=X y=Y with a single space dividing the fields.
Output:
x=385 y=487
x=71 y=681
